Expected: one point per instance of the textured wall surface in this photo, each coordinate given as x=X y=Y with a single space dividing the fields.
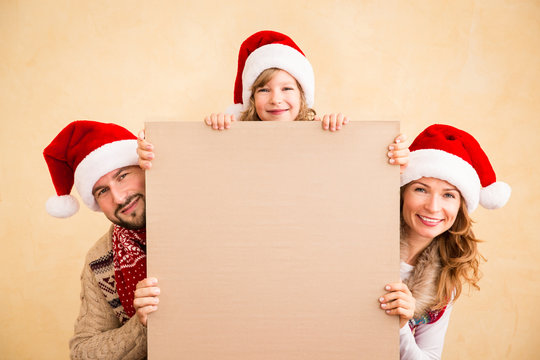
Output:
x=471 y=64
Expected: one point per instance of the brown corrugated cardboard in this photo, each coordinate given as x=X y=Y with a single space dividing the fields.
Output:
x=272 y=241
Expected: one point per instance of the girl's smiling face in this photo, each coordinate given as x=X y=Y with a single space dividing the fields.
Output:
x=278 y=99
x=430 y=207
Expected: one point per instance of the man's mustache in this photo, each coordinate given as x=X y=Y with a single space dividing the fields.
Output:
x=126 y=203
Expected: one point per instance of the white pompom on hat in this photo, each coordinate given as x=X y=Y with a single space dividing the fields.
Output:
x=80 y=155
x=447 y=153
x=264 y=50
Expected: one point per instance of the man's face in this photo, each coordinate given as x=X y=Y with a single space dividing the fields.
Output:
x=120 y=195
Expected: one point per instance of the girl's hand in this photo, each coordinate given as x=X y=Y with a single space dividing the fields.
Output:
x=219 y=121
x=333 y=122
x=146 y=298
x=398 y=153
x=144 y=150
x=398 y=301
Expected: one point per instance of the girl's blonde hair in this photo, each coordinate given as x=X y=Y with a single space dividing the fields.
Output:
x=250 y=114
x=459 y=255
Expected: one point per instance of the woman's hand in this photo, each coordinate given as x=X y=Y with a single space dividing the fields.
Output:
x=146 y=298
x=219 y=121
x=398 y=153
x=144 y=150
x=333 y=122
x=398 y=301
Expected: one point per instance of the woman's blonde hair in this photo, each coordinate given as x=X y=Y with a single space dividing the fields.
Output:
x=250 y=114
x=459 y=255
x=460 y=258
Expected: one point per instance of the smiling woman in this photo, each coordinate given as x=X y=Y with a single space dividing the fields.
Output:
x=447 y=177
x=430 y=207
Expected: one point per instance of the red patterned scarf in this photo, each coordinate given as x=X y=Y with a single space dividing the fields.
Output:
x=129 y=247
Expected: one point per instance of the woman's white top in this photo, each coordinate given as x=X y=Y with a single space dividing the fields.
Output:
x=428 y=339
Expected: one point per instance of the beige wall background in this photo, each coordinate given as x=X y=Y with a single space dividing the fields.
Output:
x=471 y=64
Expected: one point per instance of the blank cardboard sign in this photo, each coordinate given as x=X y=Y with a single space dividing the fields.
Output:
x=272 y=240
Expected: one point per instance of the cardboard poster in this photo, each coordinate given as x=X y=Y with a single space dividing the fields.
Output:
x=272 y=240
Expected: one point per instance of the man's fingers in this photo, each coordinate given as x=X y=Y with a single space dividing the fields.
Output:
x=141 y=135
x=146 y=292
x=142 y=313
x=147 y=282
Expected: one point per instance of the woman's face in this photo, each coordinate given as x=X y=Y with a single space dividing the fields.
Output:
x=430 y=207
x=278 y=99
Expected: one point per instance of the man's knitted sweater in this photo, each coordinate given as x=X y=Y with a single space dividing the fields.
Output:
x=99 y=333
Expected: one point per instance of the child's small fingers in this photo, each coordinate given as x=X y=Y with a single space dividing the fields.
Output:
x=333 y=121
x=325 y=122
x=228 y=119
x=340 y=121
x=345 y=120
x=214 y=121
x=221 y=121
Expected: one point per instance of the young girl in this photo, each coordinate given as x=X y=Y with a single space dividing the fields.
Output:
x=274 y=82
x=447 y=177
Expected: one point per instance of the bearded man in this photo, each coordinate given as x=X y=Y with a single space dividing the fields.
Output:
x=101 y=161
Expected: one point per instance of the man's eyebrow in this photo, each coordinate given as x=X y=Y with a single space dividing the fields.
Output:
x=118 y=171
x=94 y=190
x=116 y=174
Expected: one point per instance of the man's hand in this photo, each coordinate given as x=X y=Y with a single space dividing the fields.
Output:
x=146 y=298
x=145 y=151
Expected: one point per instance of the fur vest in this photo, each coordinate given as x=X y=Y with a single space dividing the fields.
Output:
x=424 y=279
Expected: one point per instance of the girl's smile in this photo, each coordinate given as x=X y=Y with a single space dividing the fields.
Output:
x=278 y=99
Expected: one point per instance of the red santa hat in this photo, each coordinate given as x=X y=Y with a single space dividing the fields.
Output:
x=264 y=50
x=447 y=153
x=81 y=154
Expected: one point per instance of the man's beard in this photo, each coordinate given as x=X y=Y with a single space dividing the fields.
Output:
x=134 y=221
